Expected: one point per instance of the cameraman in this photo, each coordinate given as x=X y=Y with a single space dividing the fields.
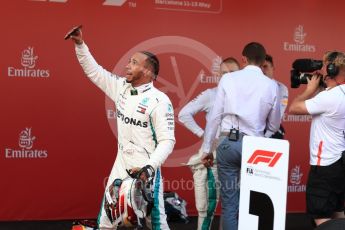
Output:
x=326 y=181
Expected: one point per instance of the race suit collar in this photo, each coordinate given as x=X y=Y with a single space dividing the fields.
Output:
x=144 y=88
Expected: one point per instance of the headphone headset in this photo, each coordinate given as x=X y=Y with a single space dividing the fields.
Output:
x=332 y=69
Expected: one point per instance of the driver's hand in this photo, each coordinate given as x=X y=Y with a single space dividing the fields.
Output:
x=75 y=34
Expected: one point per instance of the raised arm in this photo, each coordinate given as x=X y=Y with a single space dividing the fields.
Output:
x=104 y=79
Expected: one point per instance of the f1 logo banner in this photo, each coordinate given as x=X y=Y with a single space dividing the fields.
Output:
x=268 y=157
x=264 y=178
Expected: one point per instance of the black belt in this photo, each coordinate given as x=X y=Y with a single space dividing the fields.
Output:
x=227 y=134
x=233 y=136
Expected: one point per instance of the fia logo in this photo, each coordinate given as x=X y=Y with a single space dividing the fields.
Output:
x=28 y=58
x=299 y=34
x=25 y=139
x=296 y=175
x=250 y=171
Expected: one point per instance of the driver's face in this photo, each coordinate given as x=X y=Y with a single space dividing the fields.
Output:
x=267 y=69
x=228 y=67
x=135 y=68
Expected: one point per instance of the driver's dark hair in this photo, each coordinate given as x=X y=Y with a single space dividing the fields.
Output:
x=269 y=59
x=152 y=61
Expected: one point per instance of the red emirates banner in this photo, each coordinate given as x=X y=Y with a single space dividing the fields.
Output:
x=58 y=131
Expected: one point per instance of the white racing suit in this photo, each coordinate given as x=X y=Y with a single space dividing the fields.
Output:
x=145 y=124
x=283 y=95
x=206 y=184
